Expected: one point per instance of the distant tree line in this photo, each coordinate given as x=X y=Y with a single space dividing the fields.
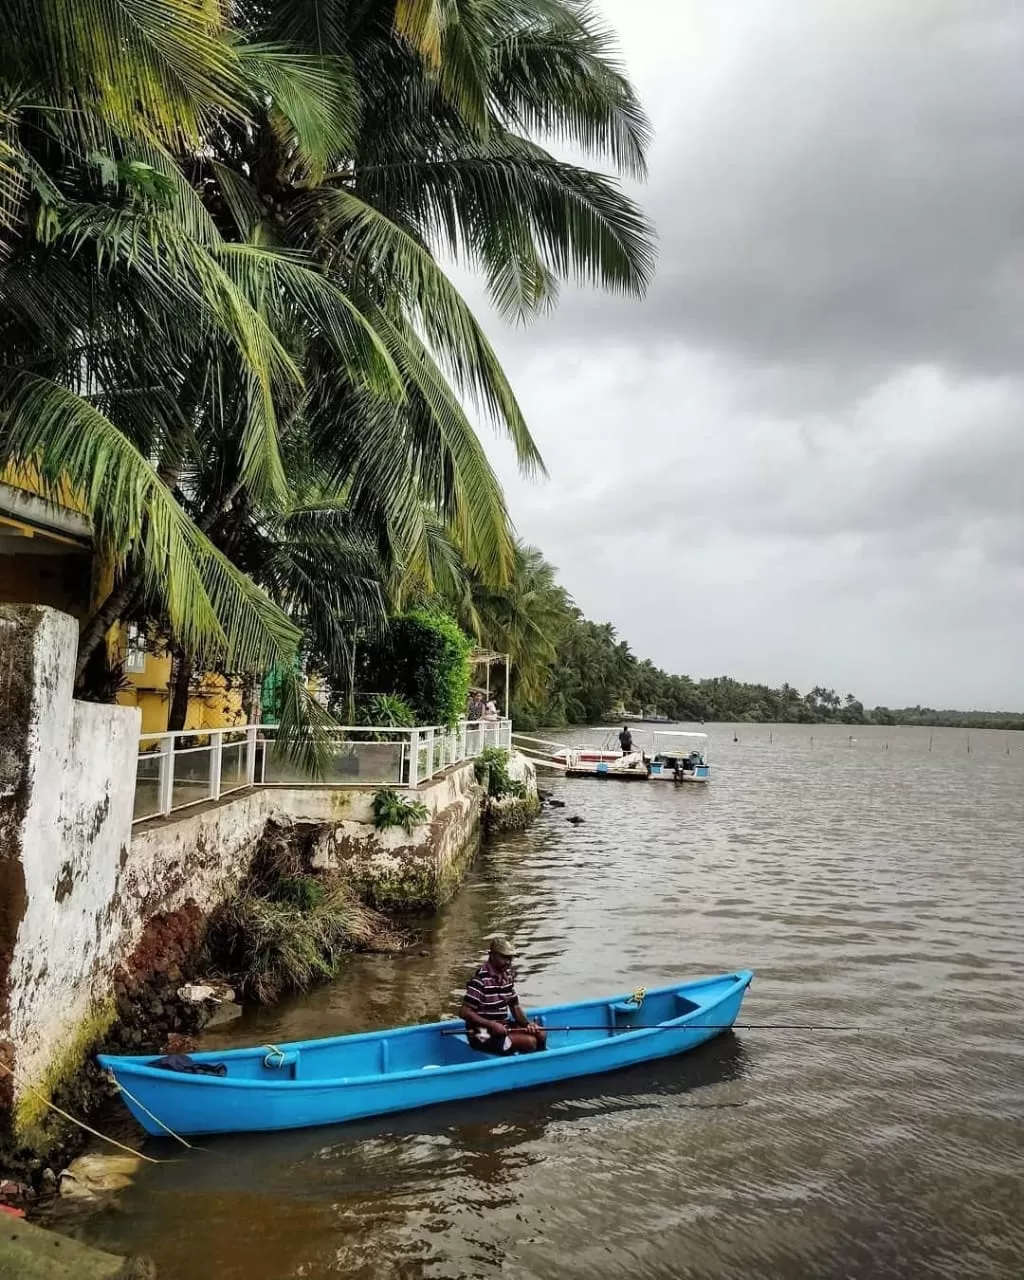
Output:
x=569 y=670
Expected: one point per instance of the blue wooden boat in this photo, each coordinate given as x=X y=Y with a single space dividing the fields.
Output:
x=320 y=1082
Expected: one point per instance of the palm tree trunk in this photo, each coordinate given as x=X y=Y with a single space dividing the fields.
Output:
x=112 y=608
x=178 y=712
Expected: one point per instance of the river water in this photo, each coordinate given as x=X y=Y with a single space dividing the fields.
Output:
x=877 y=884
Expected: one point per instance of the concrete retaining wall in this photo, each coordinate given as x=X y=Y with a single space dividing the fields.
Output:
x=66 y=790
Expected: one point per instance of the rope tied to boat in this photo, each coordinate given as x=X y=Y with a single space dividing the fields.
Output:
x=81 y=1123
x=274 y=1052
x=142 y=1107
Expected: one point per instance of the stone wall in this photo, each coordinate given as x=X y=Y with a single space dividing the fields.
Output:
x=513 y=812
x=398 y=869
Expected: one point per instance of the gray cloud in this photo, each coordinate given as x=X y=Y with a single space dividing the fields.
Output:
x=802 y=457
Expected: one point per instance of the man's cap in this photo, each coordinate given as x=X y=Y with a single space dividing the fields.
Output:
x=502 y=947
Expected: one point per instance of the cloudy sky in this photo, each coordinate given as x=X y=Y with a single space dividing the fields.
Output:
x=802 y=457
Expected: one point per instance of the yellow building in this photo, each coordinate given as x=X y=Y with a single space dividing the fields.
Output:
x=47 y=557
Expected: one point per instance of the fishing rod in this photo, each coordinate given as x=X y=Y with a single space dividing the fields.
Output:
x=675 y=1026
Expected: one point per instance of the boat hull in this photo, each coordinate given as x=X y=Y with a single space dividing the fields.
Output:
x=268 y=1090
x=701 y=775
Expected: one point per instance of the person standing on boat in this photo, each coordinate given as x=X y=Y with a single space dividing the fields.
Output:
x=494 y=1018
x=626 y=740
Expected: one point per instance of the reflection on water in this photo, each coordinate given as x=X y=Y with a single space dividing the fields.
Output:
x=876 y=884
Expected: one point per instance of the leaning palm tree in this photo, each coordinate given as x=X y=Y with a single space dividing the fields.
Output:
x=121 y=312
x=245 y=229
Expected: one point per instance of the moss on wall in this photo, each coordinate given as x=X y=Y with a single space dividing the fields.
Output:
x=35 y=1125
x=511 y=813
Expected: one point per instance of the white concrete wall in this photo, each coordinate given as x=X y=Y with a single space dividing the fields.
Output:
x=78 y=775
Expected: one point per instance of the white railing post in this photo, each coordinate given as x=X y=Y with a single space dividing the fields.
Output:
x=414 y=759
x=430 y=752
x=250 y=754
x=463 y=735
x=167 y=775
x=216 y=762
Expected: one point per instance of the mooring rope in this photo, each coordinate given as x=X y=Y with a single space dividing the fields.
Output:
x=156 y=1119
x=81 y=1123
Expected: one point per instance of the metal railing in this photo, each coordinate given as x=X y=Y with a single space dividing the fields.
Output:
x=177 y=770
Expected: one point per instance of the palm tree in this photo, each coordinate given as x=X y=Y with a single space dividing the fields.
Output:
x=524 y=618
x=244 y=227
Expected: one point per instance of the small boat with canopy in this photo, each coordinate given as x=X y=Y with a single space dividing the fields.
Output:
x=680 y=757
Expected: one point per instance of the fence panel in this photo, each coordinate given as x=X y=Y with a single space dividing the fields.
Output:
x=175 y=771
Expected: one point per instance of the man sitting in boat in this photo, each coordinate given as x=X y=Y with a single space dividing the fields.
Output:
x=495 y=1021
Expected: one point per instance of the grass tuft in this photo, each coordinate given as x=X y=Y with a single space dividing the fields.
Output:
x=288 y=942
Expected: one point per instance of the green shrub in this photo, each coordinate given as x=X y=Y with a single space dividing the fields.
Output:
x=491 y=770
x=391 y=809
x=422 y=660
x=268 y=945
x=387 y=711
x=305 y=892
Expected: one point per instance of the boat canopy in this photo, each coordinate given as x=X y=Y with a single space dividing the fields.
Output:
x=696 y=741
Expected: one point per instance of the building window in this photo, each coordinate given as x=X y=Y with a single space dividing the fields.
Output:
x=135 y=661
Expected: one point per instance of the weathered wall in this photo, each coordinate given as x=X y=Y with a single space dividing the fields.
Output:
x=511 y=812
x=66 y=791
x=80 y=890
x=395 y=868
x=202 y=854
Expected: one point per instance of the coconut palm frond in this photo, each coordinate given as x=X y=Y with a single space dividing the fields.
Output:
x=556 y=74
x=388 y=256
x=216 y=611
x=157 y=65
x=315 y=96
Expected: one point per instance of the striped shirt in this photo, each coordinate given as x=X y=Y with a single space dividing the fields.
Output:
x=491 y=994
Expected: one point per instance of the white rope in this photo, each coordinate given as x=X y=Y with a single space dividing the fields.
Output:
x=81 y=1123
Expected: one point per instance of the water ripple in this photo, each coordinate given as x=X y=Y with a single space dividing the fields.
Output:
x=878 y=888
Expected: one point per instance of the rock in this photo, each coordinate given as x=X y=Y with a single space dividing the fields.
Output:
x=11 y=1190
x=97 y=1174
x=48 y=1182
x=196 y=992
x=223 y=1013
x=576 y=820
x=29 y=1253
x=557 y=804
x=155 y=1008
